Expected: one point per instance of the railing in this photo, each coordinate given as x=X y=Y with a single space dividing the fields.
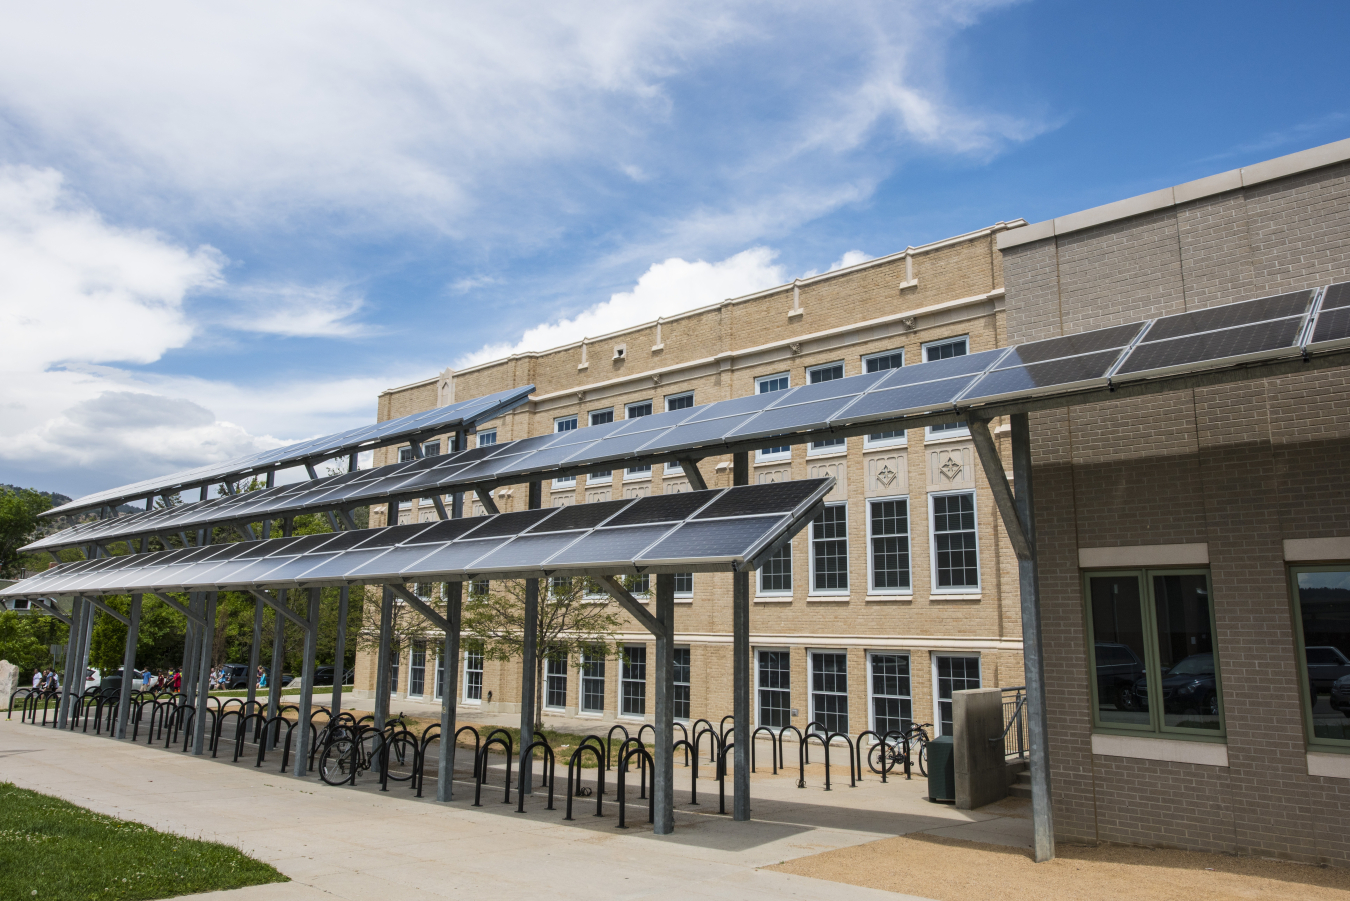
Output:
x=1014 y=722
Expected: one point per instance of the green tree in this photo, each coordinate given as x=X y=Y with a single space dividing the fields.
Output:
x=19 y=512
x=571 y=620
x=26 y=639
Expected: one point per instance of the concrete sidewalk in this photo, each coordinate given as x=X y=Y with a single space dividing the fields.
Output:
x=359 y=843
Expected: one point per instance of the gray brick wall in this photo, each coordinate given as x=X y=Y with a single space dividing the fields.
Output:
x=1240 y=467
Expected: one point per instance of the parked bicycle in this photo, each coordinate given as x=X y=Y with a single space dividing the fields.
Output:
x=350 y=750
x=891 y=749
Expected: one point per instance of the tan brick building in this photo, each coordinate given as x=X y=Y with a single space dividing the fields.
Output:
x=1199 y=539
x=857 y=596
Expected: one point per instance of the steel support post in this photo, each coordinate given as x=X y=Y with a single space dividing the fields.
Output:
x=307 y=685
x=190 y=648
x=274 y=669
x=128 y=665
x=73 y=642
x=382 y=657
x=340 y=648
x=740 y=649
x=529 y=651
x=1042 y=813
x=445 y=769
x=86 y=638
x=204 y=675
x=663 y=775
x=254 y=657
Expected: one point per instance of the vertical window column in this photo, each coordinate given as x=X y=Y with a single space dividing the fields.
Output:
x=829 y=550
x=891 y=703
x=954 y=674
x=473 y=675
x=592 y=682
x=888 y=530
x=956 y=556
x=555 y=681
x=775 y=689
x=634 y=678
x=417 y=670
x=683 y=670
x=829 y=691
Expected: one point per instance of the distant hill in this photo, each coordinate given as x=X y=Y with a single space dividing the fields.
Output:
x=56 y=499
x=58 y=523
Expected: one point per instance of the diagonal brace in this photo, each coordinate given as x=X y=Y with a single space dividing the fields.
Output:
x=180 y=608
x=50 y=609
x=690 y=467
x=422 y=607
x=485 y=498
x=120 y=617
x=631 y=604
x=998 y=483
x=280 y=608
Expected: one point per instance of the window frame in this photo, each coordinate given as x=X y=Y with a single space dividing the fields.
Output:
x=759 y=719
x=1157 y=728
x=978 y=588
x=625 y=681
x=811 y=655
x=909 y=546
x=415 y=669
x=687 y=685
x=584 y=658
x=1314 y=743
x=937 y=687
x=770 y=454
x=762 y=592
x=673 y=466
x=486 y=433
x=464 y=682
x=964 y=430
x=550 y=676
x=871 y=694
x=812 y=590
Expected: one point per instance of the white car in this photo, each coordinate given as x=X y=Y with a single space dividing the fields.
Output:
x=93 y=678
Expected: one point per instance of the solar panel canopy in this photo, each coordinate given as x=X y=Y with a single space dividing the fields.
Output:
x=1067 y=369
x=465 y=413
x=700 y=531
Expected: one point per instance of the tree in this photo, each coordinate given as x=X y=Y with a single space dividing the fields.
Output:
x=26 y=639
x=571 y=620
x=408 y=626
x=18 y=525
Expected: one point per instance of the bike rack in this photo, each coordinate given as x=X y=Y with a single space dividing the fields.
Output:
x=801 y=758
x=527 y=756
x=773 y=757
x=609 y=743
x=781 y=734
x=593 y=744
x=852 y=777
x=503 y=738
x=644 y=760
x=722 y=777
x=693 y=774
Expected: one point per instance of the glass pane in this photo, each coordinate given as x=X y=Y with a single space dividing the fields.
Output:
x=1190 y=687
x=1324 y=602
x=1118 y=645
x=775 y=695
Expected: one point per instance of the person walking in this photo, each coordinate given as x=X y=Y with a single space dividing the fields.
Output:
x=176 y=682
x=38 y=676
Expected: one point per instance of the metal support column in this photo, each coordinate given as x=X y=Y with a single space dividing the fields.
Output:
x=663 y=776
x=274 y=669
x=86 y=638
x=445 y=770
x=128 y=665
x=382 y=658
x=307 y=685
x=254 y=657
x=73 y=642
x=740 y=649
x=190 y=648
x=204 y=675
x=527 y=664
x=340 y=647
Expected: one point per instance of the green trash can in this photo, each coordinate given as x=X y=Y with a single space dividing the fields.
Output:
x=941 y=770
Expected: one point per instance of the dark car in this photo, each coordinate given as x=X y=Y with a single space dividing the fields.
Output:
x=1118 y=669
x=1326 y=664
x=1191 y=686
x=324 y=676
x=286 y=678
x=234 y=676
x=1340 y=695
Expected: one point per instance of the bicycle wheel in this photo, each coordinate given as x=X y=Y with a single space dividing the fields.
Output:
x=335 y=764
x=402 y=754
x=875 y=755
x=923 y=758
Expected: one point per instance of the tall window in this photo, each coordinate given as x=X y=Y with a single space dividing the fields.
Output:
x=684 y=585
x=393 y=672
x=764 y=385
x=592 y=682
x=682 y=672
x=440 y=676
x=1154 y=628
x=954 y=674
x=564 y=424
x=775 y=689
x=775 y=576
x=487 y=437
x=829 y=550
x=634 y=678
x=888 y=535
x=945 y=350
x=473 y=675
x=891 y=359
x=1322 y=601
x=555 y=680
x=633 y=411
x=601 y=417
x=826 y=373
x=678 y=402
x=417 y=669
x=890 y=693
x=956 y=554
x=829 y=690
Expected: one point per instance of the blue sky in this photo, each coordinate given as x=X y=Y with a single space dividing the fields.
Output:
x=222 y=229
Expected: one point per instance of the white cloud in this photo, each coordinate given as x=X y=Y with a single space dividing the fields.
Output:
x=296 y=311
x=850 y=258
x=666 y=288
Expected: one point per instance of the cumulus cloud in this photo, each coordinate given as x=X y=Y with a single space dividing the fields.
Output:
x=296 y=311
x=669 y=287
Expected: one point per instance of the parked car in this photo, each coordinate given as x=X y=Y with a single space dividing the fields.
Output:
x=1190 y=686
x=1340 y=695
x=1118 y=669
x=1326 y=664
x=286 y=678
x=234 y=676
x=324 y=676
x=93 y=678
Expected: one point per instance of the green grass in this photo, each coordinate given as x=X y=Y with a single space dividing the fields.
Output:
x=51 y=850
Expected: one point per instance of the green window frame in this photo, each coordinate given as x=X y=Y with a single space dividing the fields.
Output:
x=1313 y=697
x=1173 y=705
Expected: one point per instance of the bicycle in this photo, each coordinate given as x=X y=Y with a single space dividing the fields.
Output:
x=348 y=751
x=894 y=748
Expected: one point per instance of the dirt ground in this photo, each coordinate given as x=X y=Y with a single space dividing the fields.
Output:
x=953 y=870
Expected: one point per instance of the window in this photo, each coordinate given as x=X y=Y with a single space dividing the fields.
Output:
x=431 y=449
x=888 y=537
x=827 y=373
x=633 y=411
x=945 y=350
x=1322 y=603
x=763 y=385
x=953 y=674
x=479 y=587
x=682 y=672
x=956 y=552
x=829 y=550
x=1154 y=628
x=638 y=585
x=633 y=675
x=679 y=401
x=393 y=672
x=555 y=680
x=684 y=585
x=891 y=359
x=440 y=676
x=473 y=675
x=775 y=689
x=487 y=437
x=775 y=576
x=417 y=670
x=890 y=693
x=405 y=455
x=592 y=682
x=829 y=691
x=601 y=417
x=564 y=424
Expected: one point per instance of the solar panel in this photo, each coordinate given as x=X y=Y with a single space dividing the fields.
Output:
x=1069 y=373
x=1336 y=296
x=1071 y=345
x=723 y=539
x=661 y=508
x=793 y=418
x=1230 y=315
x=906 y=401
x=580 y=516
x=1261 y=340
x=1332 y=329
x=753 y=500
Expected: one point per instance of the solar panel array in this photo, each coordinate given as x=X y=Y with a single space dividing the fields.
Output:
x=718 y=529
x=465 y=413
x=1271 y=328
